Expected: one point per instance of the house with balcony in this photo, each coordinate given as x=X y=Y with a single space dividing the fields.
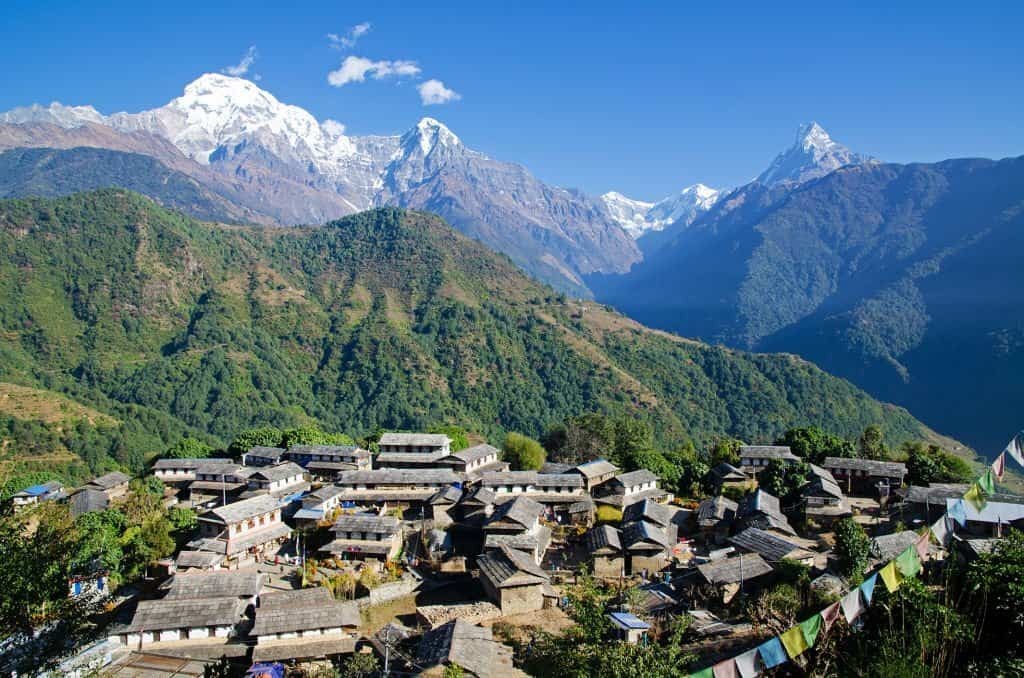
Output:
x=367 y=537
x=244 y=531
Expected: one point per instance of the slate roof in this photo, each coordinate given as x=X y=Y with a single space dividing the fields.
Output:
x=317 y=497
x=266 y=452
x=935 y=494
x=302 y=610
x=554 y=467
x=603 y=538
x=635 y=534
x=446 y=495
x=767 y=452
x=362 y=522
x=415 y=439
x=468 y=646
x=888 y=546
x=520 y=510
x=329 y=450
x=244 y=509
x=160 y=464
x=887 y=469
x=155 y=615
x=637 y=477
x=418 y=477
x=648 y=510
x=495 y=478
x=480 y=496
x=88 y=500
x=288 y=469
x=730 y=570
x=199 y=559
x=109 y=480
x=508 y=567
x=726 y=471
x=423 y=458
x=476 y=452
x=263 y=535
x=715 y=509
x=595 y=468
x=762 y=505
x=823 y=479
x=770 y=546
x=220 y=584
x=302 y=648
x=538 y=540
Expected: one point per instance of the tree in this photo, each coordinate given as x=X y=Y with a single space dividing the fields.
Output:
x=523 y=453
x=457 y=434
x=995 y=582
x=931 y=464
x=725 y=451
x=871 y=444
x=813 y=445
x=359 y=665
x=312 y=435
x=189 y=448
x=183 y=520
x=630 y=437
x=852 y=549
x=265 y=436
x=784 y=479
x=98 y=542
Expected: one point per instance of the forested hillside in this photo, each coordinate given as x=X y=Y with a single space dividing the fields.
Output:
x=386 y=319
x=904 y=279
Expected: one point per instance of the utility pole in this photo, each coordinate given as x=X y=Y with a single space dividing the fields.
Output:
x=387 y=649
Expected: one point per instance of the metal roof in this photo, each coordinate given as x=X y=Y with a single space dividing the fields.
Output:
x=625 y=620
x=994 y=512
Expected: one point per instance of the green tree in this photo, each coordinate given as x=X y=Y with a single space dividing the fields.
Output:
x=265 y=436
x=523 y=453
x=312 y=435
x=812 y=444
x=871 y=444
x=784 y=479
x=852 y=549
x=457 y=434
x=183 y=520
x=189 y=448
x=995 y=584
x=725 y=450
x=931 y=464
x=98 y=542
x=360 y=665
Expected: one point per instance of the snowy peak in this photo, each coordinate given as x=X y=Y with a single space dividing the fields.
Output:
x=427 y=135
x=56 y=113
x=814 y=154
x=637 y=217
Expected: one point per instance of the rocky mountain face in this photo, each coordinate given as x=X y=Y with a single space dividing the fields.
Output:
x=813 y=155
x=641 y=219
x=904 y=279
x=279 y=160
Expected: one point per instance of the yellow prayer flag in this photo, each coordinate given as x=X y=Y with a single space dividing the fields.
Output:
x=891 y=576
x=794 y=642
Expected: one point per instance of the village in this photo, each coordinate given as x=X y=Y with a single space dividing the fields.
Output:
x=417 y=555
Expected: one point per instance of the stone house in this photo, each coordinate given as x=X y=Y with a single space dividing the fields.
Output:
x=243 y=531
x=324 y=462
x=515 y=522
x=37 y=494
x=278 y=480
x=114 y=485
x=304 y=624
x=513 y=581
x=726 y=475
x=595 y=473
x=263 y=456
x=604 y=545
x=772 y=547
x=647 y=546
x=441 y=504
x=182 y=471
x=218 y=483
x=629 y=488
x=547 y=488
x=760 y=509
x=469 y=647
x=715 y=518
x=362 y=536
x=755 y=458
x=396 y=486
x=866 y=477
x=726 y=576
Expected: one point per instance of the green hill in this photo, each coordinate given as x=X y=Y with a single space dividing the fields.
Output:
x=386 y=319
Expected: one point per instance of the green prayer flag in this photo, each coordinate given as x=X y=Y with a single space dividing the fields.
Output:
x=704 y=673
x=987 y=483
x=908 y=562
x=811 y=628
x=976 y=496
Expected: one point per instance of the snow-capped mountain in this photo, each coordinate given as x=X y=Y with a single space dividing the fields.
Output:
x=639 y=218
x=813 y=155
x=296 y=169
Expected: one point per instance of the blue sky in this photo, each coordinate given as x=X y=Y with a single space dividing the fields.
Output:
x=643 y=98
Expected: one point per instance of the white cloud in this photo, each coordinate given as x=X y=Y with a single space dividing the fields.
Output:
x=349 y=39
x=243 y=66
x=433 y=92
x=333 y=127
x=357 y=69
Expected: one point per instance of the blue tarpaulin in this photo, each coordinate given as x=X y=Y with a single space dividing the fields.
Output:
x=266 y=671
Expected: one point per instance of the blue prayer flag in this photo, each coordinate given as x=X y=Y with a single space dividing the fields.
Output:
x=867 y=589
x=772 y=653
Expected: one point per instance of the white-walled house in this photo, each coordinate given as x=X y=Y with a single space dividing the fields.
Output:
x=243 y=531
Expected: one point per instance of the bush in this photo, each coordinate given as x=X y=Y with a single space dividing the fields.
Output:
x=523 y=453
x=608 y=514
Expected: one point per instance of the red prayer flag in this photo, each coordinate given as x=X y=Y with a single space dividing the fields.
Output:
x=999 y=466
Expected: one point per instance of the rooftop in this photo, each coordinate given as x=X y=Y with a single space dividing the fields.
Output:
x=876 y=468
x=188 y=463
x=303 y=610
x=509 y=567
x=733 y=570
x=888 y=546
x=242 y=510
x=767 y=452
x=595 y=468
x=496 y=478
x=154 y=615
x=649 y=510
x=267 y=452
x=467 y=646
x=520 y=510
x=109 y=480
x=625 y=620
x=415 y=439
x=715 y=509
x=363 y=522
x=769 y=545
x=476 y=452
x=220 y=584
x=604 y=537
x=329 y=450
x=637 y=477
x=276 y=472
x=417 y=477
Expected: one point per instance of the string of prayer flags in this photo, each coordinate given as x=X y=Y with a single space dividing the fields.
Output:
x=890 y=576
x=830 y=614
x=772 y=653
x=958 y=512
x=725 y=669
x=851 y=604
x=999 y=466
x=867 y=589
x=794 y=642
x=908 y=562
x=1015 y=451
x=746 y=664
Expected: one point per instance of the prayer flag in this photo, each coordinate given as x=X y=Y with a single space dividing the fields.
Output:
x=941 y=529
x=851 y=604
x=703 y=673
x=829 y=615
x=725 y=669
x=908 y=562
x=999 y=466
x=868 y=588
x=1015 y=451
x=987 y=482
x=890 y=576
x=772 y=653
x=746 y=664
x=793 y=641
x=958 y=512
x=922 y=545
x=811 y=628
x=976 y=495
